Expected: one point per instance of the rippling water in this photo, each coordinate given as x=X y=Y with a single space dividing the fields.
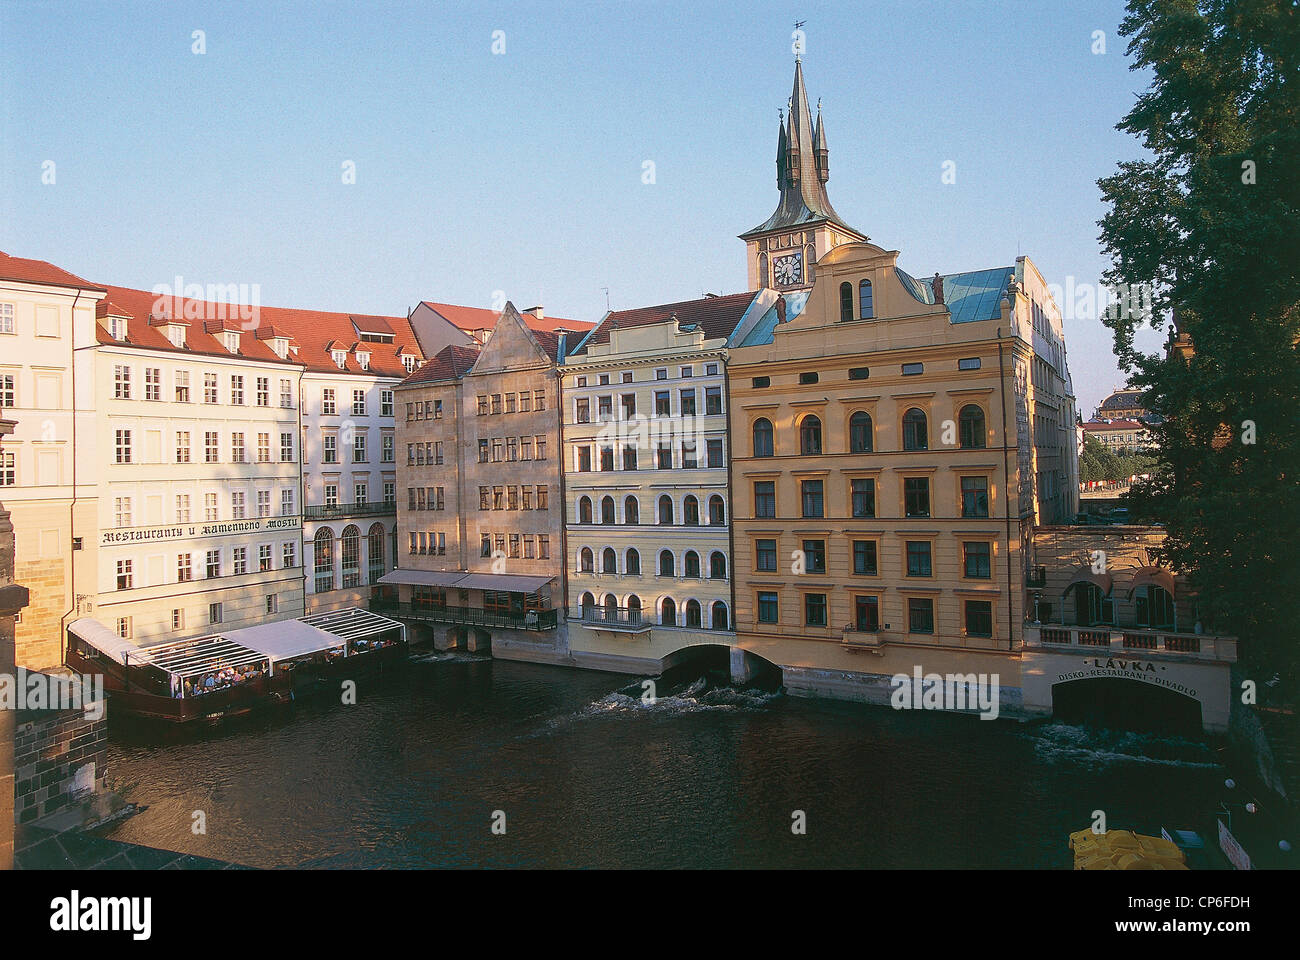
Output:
x=588 y=775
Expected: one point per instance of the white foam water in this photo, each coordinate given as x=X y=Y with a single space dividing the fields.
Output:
x=1065 y=743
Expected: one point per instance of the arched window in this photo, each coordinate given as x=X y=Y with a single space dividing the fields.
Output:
x=631 y=510
x=763 y=437
x=846 y=301
x=611 y=607
x=810 y=436
x=717 y=512
x=860 y=432
x=667 y=566
x=588 y=603
x=717 y=566
x=665 y=509
x=375 y=541
x=691 y=564
x=691 y=512
x=351 y=551
x=1155 y=607
x=607 y=510
x=608 y=561
x=668 y=612
x=915 y=434
x=586 y=560
x=634 y=609
x=719 y=615
x=693 y=613
x=864 y=300
x=971 y=427
x=633 y=566
x=324 y=560
x=584 y=510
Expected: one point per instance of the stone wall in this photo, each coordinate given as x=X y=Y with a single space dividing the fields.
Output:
x=59 y=756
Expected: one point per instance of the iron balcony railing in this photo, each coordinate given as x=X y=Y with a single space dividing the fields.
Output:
x=612 y=618
x=341 y=510
x=468 y=616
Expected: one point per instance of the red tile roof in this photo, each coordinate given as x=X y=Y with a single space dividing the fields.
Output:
x=716 y=316
x=476 y=318
x=39 y=271
x=449 y=363
x=312 y=331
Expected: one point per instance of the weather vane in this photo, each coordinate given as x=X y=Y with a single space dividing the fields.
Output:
x=798 y=40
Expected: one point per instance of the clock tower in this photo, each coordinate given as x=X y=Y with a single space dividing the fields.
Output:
x=781 y=251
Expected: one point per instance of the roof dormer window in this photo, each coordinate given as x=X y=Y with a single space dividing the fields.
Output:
x=340 y=358
x=231 y=340
x=117 y=327
x=363 y=359
x=408 y=361
x=176 y=334
x=281 y=346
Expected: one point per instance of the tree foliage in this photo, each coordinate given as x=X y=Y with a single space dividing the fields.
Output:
x=1098 y=462
x=1211 y=217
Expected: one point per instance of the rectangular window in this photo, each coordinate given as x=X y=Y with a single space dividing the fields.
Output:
x=496 y=403
x=663 y=403
x=237 y=390
x=864 y=558
x=178 y=618
x=584 y=459
x=713 y=401
x=765 y=498
x=359 y=448
x=664 y=456
x=761 y=382
x=236 y=448
x=286 y=448
x=604 y=409
x=541 y=448
x=263 y=391
x=974 y=496
x=264 y=557
x=211 y=512
x=358 y=403
x=920 y=615
x=212 y=568
x=153 y=383
x=814 y=609
x=629 y=457
x=7 y=318
x=288 y=554
x=978 y=560
x=768 y=611
x=864 y=497
x=263 y=448
x=859 y=373
x=543 y=547
x=286 y=502
x=627 y=402
x=979 y=618
x=211 y=447
x=386 y=403
x=122 y=511
x=182 y=446
x=214 y=613
x=210 y=388
x=8 y=469
x=688 y=455
x=330 y=450
x=606 y=458
x=866 y=613
x=286 y=394
x=916 y=496
x=812 y=498
x=814 y=553
x=808 y=378
x=331 y=494
x=542 y=493
x=918 y=558
x=913 y=369
x=121 y=382
x=8 y=398
x=482 y=405
x=498 y=450
x=122 y=446
x=239 y=560
x=182 y=508
x=715 y=453
x=125 y=576
x=687 y=403
x=237 y=505
x=765 y=555
x=327 y=406
x=968 y=363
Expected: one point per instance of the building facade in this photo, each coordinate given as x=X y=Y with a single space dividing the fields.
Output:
x=647 y=499
x=480 y=502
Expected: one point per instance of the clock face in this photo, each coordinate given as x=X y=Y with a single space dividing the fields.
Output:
x=788 y=269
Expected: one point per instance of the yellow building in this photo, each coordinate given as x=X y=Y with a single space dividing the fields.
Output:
x=894 y=441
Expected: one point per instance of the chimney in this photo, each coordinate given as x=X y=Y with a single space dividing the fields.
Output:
x=537 y=312
x=937 y=283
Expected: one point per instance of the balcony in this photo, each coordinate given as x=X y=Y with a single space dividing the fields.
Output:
x=853 y=638
x=341 y=511
x=619 y=619
x=466 y=616
x=1118 y=641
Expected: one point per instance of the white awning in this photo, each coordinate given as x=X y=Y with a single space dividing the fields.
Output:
x=104 y=640
x=285 y=639
x=353 y=623
x=424 y=578
x=504 y=582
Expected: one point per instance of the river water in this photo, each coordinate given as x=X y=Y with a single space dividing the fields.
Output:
x=585 y=774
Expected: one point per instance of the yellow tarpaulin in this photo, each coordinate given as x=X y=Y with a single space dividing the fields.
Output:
x=1124 y=850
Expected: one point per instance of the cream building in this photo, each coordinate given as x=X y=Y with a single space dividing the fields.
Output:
x=49 y=467
x=199 y=522
x=647 y=499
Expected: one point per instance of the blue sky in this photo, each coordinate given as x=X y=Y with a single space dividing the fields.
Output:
x=522 y=171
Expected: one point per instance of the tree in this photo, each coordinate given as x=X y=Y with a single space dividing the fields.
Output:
x=1210 y=218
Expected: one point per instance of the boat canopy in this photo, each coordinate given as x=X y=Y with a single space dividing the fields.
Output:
x=266 y=642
